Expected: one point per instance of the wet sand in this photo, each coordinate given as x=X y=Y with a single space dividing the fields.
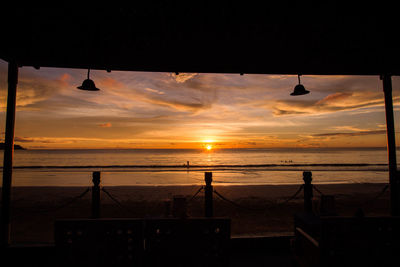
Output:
x=261 y=210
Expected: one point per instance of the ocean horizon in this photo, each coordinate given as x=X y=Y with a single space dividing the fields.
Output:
x=234 y=166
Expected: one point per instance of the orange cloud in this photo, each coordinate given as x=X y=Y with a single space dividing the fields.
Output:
x=331 y=103
x=154 y=91
x=65 y=78
x=351 y=134
x=334 y=98
x=183 y=77
x=105 y=125
x=109 y=82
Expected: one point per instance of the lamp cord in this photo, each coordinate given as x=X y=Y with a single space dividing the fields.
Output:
x=88 y=72
x=298 y=77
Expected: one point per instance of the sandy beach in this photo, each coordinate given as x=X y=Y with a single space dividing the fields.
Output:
x=261 y=210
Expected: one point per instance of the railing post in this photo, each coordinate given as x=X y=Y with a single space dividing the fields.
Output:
x=208 y=195
x=96 y=195
x=308 y=192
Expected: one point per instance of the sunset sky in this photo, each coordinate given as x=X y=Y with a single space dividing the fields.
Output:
x=163 y=110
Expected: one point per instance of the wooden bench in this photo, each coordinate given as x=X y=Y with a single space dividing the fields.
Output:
x=99 y=242
x=348 y=241
x=150 y=242
x=187 y=242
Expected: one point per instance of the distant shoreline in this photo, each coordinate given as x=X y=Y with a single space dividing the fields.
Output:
x=2 y=145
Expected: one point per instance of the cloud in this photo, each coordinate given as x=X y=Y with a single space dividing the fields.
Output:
x=141 y=108
x=65 y=78
x=335 y=98
x=105 y=125
x=183 y=77
x=33 y=88
x=32 y=91
x=108 y=82
x=360 y=133
x=181 y=105
x=349 y=128
x=154 y=91
x=251 y=143
x=34 y=140
x=23 y=139
x=328 y=94
x=332 y=103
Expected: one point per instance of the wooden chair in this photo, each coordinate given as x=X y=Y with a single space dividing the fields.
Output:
x=348 y=241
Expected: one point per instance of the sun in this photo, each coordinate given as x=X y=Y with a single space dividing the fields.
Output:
x=209 y=147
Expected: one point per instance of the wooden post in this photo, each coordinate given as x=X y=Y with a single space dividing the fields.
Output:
x=391 y=146
x=208 y=195
x=308 y=192
x=8 y=153
x=96 y=195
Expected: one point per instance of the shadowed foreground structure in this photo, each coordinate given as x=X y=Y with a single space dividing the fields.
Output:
x=211 y=37
x=261 y=227
x=280 y=38
x=262 y=209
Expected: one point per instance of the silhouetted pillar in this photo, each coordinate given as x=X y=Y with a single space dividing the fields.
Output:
x=208 y=195
x=8 y=153
x=391 y=146
x=96 y=195
x=308 y=191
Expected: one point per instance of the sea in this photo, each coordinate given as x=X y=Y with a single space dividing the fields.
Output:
x=167 y=167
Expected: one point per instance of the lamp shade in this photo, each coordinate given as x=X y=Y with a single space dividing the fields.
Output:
x=88 y=85
x=299 y=90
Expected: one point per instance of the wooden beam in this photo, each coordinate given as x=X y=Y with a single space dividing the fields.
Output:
x=391 y=146
x=8 y=153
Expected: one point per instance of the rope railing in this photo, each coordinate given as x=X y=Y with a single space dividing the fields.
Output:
x=113 y=198
x=72 y=200
x=316 y=189
x=259 y=209
x=116 y=201
x=195 y=194
x=293 y=196
x=307 y=187
x=381 y=193
x=364 y=204
x=370 y=201
x=241 y=206
x=231 y=202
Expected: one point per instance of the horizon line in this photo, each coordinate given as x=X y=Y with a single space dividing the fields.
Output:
x=226 y=148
